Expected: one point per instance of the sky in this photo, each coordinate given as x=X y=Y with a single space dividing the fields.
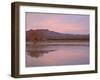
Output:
x=63 y=23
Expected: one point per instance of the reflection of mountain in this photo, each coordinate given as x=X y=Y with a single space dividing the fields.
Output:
x=45 y=34
x=38 y=53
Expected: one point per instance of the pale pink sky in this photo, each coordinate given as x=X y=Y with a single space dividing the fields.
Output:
x=64 y=23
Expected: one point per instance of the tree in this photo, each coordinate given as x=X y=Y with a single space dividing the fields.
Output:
x=35 y=36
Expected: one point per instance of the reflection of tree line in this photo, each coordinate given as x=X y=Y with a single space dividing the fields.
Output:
x=38 y=53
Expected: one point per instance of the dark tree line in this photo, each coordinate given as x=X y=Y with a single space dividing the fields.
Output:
x=35 y=36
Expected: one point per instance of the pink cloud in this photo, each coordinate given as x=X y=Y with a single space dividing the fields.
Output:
x=54 y=23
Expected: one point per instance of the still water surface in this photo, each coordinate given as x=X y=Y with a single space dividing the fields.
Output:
x=57 y=55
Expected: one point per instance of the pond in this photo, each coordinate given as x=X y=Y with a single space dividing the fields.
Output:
x=72 y=53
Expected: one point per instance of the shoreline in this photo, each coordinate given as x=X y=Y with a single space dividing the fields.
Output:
x=83 y=43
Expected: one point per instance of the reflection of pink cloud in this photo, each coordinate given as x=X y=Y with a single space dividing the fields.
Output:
x=60 y=56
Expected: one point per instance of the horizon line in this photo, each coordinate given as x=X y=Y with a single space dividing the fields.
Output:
x=61 y=32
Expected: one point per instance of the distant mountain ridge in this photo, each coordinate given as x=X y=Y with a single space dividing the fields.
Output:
x=45 y=34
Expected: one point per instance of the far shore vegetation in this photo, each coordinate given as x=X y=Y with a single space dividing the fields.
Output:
x=44 y=35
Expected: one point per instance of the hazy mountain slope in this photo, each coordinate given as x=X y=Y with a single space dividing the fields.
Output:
x=45 y=34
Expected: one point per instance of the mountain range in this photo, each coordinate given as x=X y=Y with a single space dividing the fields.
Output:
x=45 y=34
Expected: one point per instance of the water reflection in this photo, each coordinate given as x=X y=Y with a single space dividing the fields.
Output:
x=44 y=55
x=38 y=53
